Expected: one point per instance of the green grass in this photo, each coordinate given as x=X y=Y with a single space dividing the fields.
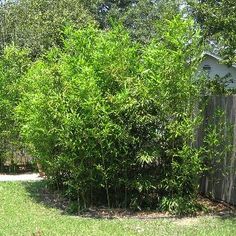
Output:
x=22 y=214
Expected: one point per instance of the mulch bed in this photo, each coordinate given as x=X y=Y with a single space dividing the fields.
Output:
x=215 y=207
x=212 y=208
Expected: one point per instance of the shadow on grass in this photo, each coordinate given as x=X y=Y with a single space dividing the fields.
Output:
x=40 y=193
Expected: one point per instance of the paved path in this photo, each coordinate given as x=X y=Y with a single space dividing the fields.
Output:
x=21 y=177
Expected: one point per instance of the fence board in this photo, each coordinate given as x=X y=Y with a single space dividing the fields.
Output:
x=221 y=185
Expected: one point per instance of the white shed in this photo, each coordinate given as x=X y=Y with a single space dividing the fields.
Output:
x=212 y=65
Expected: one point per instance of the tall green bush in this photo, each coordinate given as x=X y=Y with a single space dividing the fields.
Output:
x=112 y=121
x=13 y=65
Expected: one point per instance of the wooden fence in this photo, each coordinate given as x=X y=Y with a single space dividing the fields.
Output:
x=220 y=184
x=16 y=161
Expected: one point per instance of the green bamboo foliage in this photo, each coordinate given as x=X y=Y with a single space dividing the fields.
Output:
x=111 y=121
x=13 y=65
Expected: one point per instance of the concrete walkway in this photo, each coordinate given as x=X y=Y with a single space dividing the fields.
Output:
x=20 y=177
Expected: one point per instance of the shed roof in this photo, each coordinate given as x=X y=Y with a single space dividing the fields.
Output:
x=217 y=57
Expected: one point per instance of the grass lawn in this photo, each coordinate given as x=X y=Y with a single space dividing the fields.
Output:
x=22 y=214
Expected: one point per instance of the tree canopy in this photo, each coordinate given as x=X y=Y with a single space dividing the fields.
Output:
x=138 y=16
x=38 y=24
x=218 y=21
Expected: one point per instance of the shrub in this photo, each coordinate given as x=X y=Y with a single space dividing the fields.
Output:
x=13 y=64
x=112 y=121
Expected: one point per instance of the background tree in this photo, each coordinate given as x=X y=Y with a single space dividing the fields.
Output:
x=38 y=24
x=138 y=16
x=218 y=21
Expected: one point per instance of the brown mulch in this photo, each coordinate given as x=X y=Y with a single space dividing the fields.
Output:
x=214 y=207
x=211 y=207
